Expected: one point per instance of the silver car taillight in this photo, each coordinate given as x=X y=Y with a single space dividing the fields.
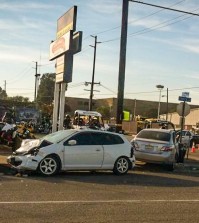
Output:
x=135 y=145
x=166 y=148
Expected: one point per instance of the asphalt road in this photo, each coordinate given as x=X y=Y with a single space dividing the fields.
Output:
x=147 y=194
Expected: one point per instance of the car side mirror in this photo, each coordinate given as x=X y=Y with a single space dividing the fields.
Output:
x=72 y=142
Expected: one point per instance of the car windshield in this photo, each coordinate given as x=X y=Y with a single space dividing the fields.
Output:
x=155 y=135
x=58 y=136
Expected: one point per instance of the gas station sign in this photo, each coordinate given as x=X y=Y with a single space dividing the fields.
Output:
x=61 y=45
x=67 y=22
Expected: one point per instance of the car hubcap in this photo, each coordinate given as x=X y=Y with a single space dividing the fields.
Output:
x=122 y=165
x=48 y=166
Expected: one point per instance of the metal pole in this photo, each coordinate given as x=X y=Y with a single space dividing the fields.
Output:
x=180 y=145
x=122 y=65
x=62 y=105
x=159 y=105
x=134 y=111
x=182 y=122
x=35 y=81
x=93 y=75
x=167 y=104
x=56 y=107
x=5 y=85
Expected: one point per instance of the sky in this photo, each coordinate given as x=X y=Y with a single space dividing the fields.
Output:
x=162 y=47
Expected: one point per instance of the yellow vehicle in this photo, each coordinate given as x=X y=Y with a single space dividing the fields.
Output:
x=158 y=123
x=154 y=123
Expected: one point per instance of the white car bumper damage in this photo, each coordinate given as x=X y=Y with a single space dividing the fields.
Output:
x=27 y=162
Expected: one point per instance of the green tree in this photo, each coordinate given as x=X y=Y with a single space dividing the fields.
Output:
x=3 y=94
x=45 y=94
x=18 y=99
x=104 y=111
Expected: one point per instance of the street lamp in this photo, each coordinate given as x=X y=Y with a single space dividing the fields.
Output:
x=159 y=87
x=167 y=109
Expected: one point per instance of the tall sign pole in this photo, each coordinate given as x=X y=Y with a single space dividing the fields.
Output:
x=122 y=65
x=62 y=49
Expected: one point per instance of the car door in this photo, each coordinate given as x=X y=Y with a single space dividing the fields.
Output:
x=85 y=154
x=186 y=135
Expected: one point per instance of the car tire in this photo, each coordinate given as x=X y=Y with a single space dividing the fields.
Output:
x=122 y=165
x=49 y=166
x=170 y=167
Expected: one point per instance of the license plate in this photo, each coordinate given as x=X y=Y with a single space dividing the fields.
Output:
x=149 y=147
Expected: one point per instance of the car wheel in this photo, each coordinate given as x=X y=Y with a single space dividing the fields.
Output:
x=121 y=166
x=170 y=167
x=49 y=166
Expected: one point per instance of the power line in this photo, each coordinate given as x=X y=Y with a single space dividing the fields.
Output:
x=159 y=26
x=156 y=12
x=19 y=77
x=167 y=8
x=21 y=72
x=152 y=28
x=177 y=89
x=41 y=65
x=107 y=89
x=75 y=85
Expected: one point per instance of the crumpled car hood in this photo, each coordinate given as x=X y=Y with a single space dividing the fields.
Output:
x=28 y=145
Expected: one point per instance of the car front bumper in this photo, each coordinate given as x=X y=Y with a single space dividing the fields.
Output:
x=132 y=161
x=26 y=162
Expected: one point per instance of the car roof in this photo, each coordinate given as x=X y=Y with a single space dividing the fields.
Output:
x=158 y=130
x=92 y=130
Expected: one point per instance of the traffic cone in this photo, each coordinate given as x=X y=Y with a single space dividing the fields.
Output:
x=193 y=149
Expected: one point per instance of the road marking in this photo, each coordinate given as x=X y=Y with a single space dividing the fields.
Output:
x=95 y=202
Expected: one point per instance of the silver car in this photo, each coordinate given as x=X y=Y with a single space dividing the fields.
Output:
x=75 y=150
x=156 y=146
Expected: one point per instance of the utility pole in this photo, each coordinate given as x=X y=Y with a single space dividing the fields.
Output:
x=91 y=83
x=122 y=65
x=5 y=85
x=36 y=80
x=167 y=104
x=134 y=110
x=93 y=74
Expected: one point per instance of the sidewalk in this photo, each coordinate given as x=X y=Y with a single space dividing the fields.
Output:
x=5 y=151
x=192 y=161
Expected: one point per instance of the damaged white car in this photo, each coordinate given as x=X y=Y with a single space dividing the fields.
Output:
x=75 y=150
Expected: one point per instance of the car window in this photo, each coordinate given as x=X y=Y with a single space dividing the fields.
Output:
x=58 y=136
x=183 y=133
x=106 y=139
x=163 y=136
x=83 y=138
x=96 y=138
